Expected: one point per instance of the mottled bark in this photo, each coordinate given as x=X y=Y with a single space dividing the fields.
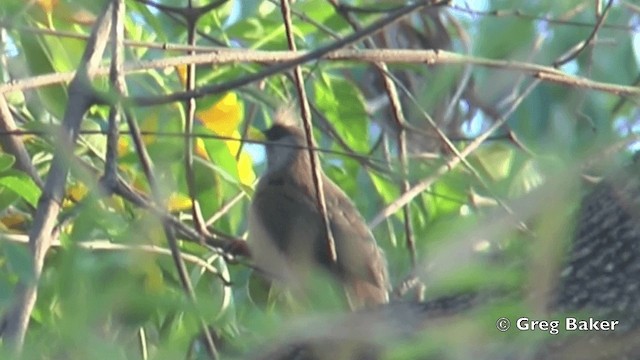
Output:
x=601 y=278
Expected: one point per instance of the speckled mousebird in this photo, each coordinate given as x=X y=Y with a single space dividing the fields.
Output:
x=287 y=234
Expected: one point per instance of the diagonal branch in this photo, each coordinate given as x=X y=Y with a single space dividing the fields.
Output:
x=451 y=163
x=42 y=233
x=13 y=144
x=400 y=121
x=169 y=229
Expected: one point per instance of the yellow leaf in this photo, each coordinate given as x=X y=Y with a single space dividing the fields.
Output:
x=47 y=5
x=149 y=124
x=223 y=119
x=144 y=264
x=255 y=134
x=123 y=146
x=245 y=164
x=77 y=191
x=245 y=169
x=178 y=202
x=116 y=203
x=148 y=229
x=139 y=182
x=233 y=145
x=153 y=280
x=200 y=149
x=224 y=116
x=181 y=70
x=13 y=220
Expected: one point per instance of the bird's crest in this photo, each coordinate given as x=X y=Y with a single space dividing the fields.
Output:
x=287 y=115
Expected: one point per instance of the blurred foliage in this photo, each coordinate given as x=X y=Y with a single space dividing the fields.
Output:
x=99 y=301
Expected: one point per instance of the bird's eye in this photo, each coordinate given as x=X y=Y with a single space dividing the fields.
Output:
x=277 y=132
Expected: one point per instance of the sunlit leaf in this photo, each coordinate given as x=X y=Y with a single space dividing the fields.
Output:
x=54 y=97
x=347 y=116
x=181 y=70
x=496 y=159
x=178 y=202
x=149 y=126
x=224 y=116
x=22 y=185
x=153 y=280
x=200 y=149
x=123 y=146
x=219 y=151
x=245 y=169
x=387 y=190
x=47 y=6
x=77 y=191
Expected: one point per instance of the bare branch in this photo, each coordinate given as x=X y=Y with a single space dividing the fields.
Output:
x=389 y=56
x=42 y=232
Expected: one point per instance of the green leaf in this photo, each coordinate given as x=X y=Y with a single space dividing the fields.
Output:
x=527 y=178
x=22 y=185
x=19 y=260
x=6 y=161
x=385 y=188
x=220 y=155
x=343 y=104
x=500 y=44
x=496 y=159
x=7 y=198
x=96 y=143
x=445 y=199
x=39 y=61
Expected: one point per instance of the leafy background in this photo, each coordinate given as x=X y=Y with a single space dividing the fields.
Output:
x=109 y=288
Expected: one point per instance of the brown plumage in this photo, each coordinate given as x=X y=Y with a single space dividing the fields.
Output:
x=287 y=234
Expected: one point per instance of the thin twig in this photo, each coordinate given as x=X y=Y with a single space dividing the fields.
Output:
x=225 y=208
x=399 y=119
x=365 y=159
x=14 y=145
x=546 y=19
x=418 y=188
x=106 y=245
x=191 y=16
x=118 y=84
x=587 y=41
x=278 y=68
x=305 y=110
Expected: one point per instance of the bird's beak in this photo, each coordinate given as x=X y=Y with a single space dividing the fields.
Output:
x=254 y=134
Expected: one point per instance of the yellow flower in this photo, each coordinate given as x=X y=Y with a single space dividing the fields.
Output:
x=223 y=119
x=224 y=116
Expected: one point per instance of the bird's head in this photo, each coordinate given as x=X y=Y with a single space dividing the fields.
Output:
x=284 y=144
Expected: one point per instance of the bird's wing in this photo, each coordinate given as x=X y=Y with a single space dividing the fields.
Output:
x=285 y=216
x=358 y=253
